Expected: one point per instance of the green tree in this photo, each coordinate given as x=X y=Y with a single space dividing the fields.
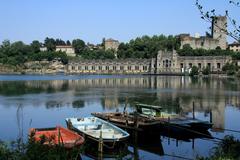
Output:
x=36 y=45
x=68 y=43
x=230 y=68
x=78 y=45
x=206 y=70
x=194 y=71
x=50 y=43
x=147 y=47
x=59 y=42
x=5 y=44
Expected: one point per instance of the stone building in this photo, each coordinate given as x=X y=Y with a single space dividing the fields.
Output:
x=127 y=66
x=165 y=63
x=171 y=62
x=217 y=38
x=235 y=46
x=111 y=44
x=68 y=49
x=43 y=49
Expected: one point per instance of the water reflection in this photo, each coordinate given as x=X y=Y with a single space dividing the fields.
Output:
x=46 y=103
x=175 y=94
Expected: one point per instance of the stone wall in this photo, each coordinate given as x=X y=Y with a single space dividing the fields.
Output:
x=219 y=27
x=69 y=50
x=165 y=62
x=172 y=62
x=202 y=42
x=125 y=66
x=111 y=44
x=217 y=38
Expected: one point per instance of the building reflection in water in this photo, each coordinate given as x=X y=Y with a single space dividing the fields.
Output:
x=175 y=94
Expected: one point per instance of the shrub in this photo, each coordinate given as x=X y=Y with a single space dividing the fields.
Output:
x=194 y=71
x=206 y=71
x=230 y=72
x=228 y=148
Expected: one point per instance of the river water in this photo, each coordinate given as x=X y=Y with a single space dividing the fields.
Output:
x=45 y=101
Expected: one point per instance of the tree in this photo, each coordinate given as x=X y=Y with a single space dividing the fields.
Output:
x=209 y=15
x=187 y=47
x=35 y=45
x=206 y=70
x=60 y=42
x=194 y=71
x=78 y=45
x=68 y=43
x=15 y=53
x=6 y=43
x=147 y=47
x=50 y=43
x=230 y=68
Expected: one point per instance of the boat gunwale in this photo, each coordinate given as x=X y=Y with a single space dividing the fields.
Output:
x=79 y=141
x=124 y=137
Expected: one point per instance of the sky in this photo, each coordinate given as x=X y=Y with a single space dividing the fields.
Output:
x=92 y=20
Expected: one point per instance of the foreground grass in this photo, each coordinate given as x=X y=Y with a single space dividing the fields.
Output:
x=228 y=149
x=36 y=151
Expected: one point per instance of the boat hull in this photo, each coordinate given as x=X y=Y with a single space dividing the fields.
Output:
x=108 y=143
x=57 y=136
x=128 y=122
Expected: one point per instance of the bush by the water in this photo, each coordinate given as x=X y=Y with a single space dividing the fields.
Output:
x=194 y=71
x=206 y=71
x=228 y=149
x=33 y=150
x=230 y=68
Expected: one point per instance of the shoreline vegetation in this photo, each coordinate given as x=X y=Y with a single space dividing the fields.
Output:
x=20 y=58
x=32 y=150
x=228 y=148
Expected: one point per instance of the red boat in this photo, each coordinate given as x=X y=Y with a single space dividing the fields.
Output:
x=57 y=136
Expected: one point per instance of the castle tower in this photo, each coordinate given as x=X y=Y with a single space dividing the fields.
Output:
x=219 y=28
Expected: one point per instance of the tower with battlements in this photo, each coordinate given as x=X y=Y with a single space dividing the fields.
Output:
x=218 y=37
x=219 y=29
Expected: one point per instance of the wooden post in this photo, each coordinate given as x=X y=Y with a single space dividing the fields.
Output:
x=125 y=107
x=58 y=135
x=168 y=130
x=193 y=143
x=135 y=121
x=193 y=110
x=210 y=116
x=100 y=145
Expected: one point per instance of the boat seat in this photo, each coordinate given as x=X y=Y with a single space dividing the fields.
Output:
x=106 y=134
x=89 y=124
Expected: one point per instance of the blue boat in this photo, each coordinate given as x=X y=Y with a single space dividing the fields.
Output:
x=98 y=130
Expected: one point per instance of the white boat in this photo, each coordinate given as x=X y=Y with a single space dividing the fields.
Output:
x=97 y=129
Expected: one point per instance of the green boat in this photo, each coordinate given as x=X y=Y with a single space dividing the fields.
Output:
x=173 y=121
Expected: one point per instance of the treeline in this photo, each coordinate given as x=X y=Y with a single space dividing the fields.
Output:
x=142 y=47
x=147 y=47
x=18 y=53
x=188 y=51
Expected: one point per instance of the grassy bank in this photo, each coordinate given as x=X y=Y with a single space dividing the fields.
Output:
x=36 y=151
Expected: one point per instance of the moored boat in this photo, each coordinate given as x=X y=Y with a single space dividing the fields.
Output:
x=131 y=122
x=175 y=121
x=98 y=130
x=57 y=136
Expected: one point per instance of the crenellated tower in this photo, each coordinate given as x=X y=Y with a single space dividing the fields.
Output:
x=219 y=30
